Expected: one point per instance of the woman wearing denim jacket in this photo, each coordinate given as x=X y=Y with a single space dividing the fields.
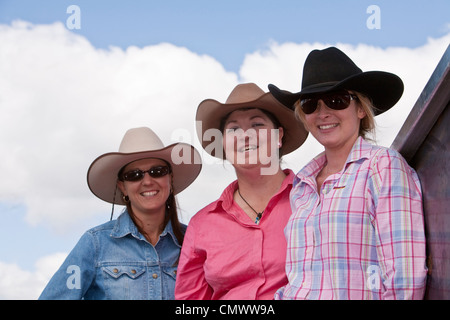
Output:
x=135 y=256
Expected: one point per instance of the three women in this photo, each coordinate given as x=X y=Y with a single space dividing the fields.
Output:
x=356 y=229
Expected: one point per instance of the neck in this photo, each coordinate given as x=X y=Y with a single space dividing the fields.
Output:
x=336 y=157
x=257 y=189
x=150 y=225
x=253 y=182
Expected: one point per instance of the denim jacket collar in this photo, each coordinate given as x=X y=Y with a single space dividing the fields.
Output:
x=124 y=226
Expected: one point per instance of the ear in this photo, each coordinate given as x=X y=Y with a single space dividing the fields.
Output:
x=121 y=186
x=280 y=136
x=361 y=113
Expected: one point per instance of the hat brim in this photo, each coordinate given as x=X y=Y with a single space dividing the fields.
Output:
x=210 y=112
x=102 y=174
x=383 y=88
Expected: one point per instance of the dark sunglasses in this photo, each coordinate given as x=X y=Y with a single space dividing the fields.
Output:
x=154 y=172
x=334 y=100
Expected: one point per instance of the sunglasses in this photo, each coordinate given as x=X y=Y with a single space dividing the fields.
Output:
x=137 y=175
x=334 y=100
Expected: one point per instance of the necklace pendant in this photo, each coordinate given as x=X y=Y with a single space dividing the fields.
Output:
x=258 y=215
x=258 y=218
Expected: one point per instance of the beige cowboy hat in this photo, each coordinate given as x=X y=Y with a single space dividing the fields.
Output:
x=142 y=143
x=248 y=95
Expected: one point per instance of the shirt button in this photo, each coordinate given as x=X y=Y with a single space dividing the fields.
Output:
x=133 y=271
x=155 y=276
x=115 y=270
x=175 y=272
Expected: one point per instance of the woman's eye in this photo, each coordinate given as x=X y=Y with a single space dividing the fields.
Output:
x=231 y=130
x=259 y=124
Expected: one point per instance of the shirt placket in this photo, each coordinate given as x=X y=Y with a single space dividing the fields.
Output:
x=309 y=251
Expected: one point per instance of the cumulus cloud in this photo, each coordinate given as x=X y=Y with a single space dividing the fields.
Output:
x=65 y=102
x=282 y=65
x=19 y=284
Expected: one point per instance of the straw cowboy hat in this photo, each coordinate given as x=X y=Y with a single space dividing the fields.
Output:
x=248 y=95
x=142 y=143
x=330 y=70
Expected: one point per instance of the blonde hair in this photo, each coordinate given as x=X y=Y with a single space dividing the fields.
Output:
x=367 y=124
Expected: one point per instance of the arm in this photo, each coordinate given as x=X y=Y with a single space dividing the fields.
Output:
x=399 y=223
x=191 y=282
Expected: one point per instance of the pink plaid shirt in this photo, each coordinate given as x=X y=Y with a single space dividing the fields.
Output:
x=362 y=236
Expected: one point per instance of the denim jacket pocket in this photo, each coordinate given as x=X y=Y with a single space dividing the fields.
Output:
x=125 y=282
x=117 y=271
x=171 y=272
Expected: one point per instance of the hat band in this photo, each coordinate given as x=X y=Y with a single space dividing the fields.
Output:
x=322 y=84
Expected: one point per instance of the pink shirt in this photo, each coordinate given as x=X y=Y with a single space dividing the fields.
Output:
x=225 y=255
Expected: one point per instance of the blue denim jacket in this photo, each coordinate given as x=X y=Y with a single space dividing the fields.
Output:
x=115 y=261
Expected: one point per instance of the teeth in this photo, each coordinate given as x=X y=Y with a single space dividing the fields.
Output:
x=248 y=148
x=328 y=126
x=149 y=193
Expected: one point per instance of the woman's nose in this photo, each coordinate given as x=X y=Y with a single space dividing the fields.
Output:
x=322 y=108
x=147 y=179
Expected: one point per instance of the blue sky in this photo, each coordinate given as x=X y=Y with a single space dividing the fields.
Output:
x=227 y=30
x=248 y=41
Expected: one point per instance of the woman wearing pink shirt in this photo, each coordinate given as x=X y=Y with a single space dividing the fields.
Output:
x=234 y=248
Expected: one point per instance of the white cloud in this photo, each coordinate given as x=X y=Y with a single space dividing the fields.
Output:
x=282 y=65
x=19 y=284
x=65 y=102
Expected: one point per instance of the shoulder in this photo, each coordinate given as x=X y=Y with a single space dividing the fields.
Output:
x=365 y=149
x=220 y=205
x=107 y=226
x=388 y=167
x=204 y=212
x=384 y=158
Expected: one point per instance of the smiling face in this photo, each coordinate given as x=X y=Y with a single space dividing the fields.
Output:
x=148 y=195
x=250 y=137
x=335 y=129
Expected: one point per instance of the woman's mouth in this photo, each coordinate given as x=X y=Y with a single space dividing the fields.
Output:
x=328 y=126
x=248 y=148
x=149 y=193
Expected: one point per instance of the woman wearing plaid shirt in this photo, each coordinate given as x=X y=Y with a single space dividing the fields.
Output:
x=357 y=228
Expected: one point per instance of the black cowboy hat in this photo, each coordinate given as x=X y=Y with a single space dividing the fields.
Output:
x=330 y=70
